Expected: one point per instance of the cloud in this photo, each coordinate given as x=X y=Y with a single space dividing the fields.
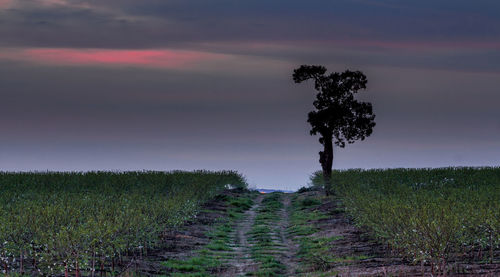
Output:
x=157 y=58
x=349 y=33
x=165 y=24
x=5 y=4
x=204 y=79
x=37 y=4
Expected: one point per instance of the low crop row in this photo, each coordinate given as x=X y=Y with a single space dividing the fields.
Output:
x=430 y=216
x=53 y=223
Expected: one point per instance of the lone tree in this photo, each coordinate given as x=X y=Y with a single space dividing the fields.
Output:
x=338 y=116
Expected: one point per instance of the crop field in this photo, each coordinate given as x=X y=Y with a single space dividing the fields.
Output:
x=55 y=223
x=436 y=217
x=397 y=222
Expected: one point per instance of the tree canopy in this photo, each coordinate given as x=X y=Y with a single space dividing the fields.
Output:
x=337 y=113
x=338 y=117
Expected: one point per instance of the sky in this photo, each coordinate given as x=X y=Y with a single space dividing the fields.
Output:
x=197 y=84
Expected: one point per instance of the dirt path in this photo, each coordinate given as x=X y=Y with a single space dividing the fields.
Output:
x=284 y=249
x=290 y=248
x=265 y=239
x=242 y=262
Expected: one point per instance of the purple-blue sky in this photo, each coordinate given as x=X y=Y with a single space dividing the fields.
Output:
x=196 y=84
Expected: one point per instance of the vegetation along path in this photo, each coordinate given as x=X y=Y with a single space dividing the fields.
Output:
x=250 y=239
x=242 y=263
x=297 y=234
x=262 y=246
x=211 y=230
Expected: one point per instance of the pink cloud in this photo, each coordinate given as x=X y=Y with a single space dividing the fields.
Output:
x=4 y=4
x=161 y=58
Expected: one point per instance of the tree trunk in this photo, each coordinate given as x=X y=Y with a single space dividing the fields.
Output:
x=326 y=160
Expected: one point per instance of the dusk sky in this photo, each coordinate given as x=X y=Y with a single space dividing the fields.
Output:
x=198 y=84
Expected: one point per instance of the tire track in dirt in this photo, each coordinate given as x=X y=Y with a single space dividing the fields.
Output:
x=242 y=262
x=290 y=248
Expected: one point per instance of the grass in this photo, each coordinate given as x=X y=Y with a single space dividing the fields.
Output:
x=314 y=251
x=239 y=206
x=265 y=239
x=211 y=258
x=193 y=264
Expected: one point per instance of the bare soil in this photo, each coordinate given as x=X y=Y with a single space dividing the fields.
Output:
x=180 y=242
x=289 y=255
x=353 y=242
x=356 y=242
x=242 y=262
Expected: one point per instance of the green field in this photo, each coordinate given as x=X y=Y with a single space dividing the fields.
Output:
x=434 y=216
x=59 y=222
x=189 y=224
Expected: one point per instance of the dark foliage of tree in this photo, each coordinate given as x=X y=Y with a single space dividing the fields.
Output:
x=337 y=117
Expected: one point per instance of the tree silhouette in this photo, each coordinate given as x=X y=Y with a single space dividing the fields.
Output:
x=337 y=115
